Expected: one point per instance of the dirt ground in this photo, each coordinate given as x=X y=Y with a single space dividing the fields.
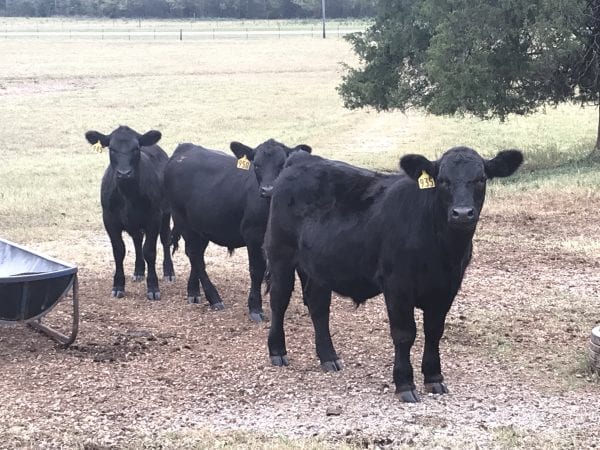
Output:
x=154 y=373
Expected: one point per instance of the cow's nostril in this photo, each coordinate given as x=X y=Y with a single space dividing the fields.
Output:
x=470 y=213
x=455 y=214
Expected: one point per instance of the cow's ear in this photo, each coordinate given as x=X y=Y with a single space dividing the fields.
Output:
x=414 y=165
x=150 y=138
x=240 y=150
x=503 y=164
x=93 y=137
x=303 y=147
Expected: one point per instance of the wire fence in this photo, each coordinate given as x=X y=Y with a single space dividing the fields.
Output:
x=180 y=34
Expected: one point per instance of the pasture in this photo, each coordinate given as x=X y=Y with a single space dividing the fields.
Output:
x=172 y=375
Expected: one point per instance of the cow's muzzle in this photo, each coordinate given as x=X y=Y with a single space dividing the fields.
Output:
x=463 y=217
x=124 y=174
x=266 y=191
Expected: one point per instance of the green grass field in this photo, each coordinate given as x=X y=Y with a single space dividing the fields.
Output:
x=211 y=93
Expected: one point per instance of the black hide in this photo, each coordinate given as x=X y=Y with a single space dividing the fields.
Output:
x=213 y=200
x=360 y=233
x=133 y=201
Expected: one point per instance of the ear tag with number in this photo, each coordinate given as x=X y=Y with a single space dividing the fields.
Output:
x=98 y=147
x=243 y=163
x=426 y=181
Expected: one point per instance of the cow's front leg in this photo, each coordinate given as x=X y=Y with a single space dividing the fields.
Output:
x=118 y=248
x=150 y=257
x=433 y=324
x=403 y=330
x=282 y=284
x=257 y=265
x=140 y=265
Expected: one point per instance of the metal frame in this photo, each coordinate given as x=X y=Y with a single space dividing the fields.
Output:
x=63 y=339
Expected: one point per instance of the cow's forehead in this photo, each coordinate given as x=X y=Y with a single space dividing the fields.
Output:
x=270 y=148
x=123 y=139
x=461 y=161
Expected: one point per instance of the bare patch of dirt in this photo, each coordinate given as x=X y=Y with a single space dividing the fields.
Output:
x=513 y=355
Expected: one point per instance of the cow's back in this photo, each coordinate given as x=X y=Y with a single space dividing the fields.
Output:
x=209 y=192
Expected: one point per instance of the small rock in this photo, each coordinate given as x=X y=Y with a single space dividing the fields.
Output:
x=333 y=411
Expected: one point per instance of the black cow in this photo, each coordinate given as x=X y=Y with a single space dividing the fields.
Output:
x=361 y=233
x=213 y=199
x=133 y=201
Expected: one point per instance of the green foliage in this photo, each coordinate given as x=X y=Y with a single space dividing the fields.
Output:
x=486 y=58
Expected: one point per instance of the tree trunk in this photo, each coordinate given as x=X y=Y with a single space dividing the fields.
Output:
x=595 y=155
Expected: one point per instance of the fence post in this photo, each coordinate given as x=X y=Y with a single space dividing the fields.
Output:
x=213 y=34
x=279 y=31
x=154 y=31
x=102 y=34
x=180 y=34
x=246 y=33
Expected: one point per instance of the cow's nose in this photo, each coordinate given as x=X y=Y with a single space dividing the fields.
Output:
x=124 y=173
x=266 y=191
x=463 y=214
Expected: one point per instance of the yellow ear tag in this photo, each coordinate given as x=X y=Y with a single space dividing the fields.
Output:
x=243 y=163
x=97 y=147
x=426 y=181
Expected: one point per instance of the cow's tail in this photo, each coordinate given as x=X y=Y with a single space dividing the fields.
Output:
x=175 y=235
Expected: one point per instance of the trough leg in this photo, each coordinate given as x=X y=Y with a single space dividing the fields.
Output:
x=403 y=330
x=165 y=239
x=63 y=339
x=318 y=300
x=118 y=248
x=433 y=324
x=150 y=257
x=282 y=285
x=140 y=265
x=257 y=266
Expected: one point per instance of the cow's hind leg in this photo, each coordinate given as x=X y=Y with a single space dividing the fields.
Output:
x=282 y=285
x=257 y=265
x=140 y=265
x=150 y=257
x=165 y=239
x=318 y=300
x=403 y=330
x=433 y=324
x=195 y=246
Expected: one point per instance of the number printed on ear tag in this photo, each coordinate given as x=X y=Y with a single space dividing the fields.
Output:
x=243 y=163
x=426 y=181
x=98 y=147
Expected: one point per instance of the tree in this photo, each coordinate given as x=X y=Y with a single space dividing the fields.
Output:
x=480 y=57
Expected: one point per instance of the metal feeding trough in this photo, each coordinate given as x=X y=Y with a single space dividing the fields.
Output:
x=31 y=285
x=594 y=349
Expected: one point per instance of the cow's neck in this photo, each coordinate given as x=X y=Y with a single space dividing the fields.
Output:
x=130 y=189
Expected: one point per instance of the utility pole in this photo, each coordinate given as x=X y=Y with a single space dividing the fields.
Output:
x=323 y=11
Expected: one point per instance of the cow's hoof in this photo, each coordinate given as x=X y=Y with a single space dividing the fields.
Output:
x=217 y=306
x=192 y=299
x=280 y=361
x=119 y=293
x=169 y=278
x=153 y=295
x=436 y=388
x=257 y=317
x=409 y=396
x=137 y=277
x=332 y=366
